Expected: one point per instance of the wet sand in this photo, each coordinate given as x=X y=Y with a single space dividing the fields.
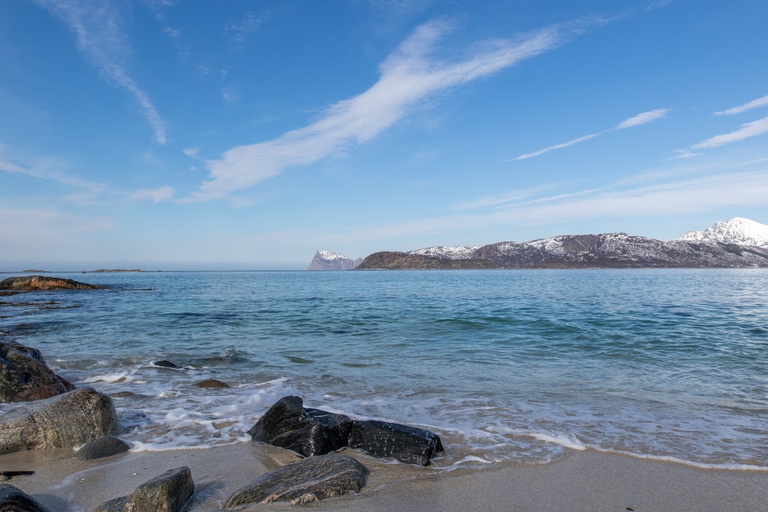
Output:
x=585 y=481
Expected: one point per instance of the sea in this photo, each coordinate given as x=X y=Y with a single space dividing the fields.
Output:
x=507 y=366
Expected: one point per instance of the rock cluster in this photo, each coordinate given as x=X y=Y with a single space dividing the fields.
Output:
x=29 y=283
x=309 y=432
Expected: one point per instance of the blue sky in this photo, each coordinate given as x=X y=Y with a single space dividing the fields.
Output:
x=246 y=135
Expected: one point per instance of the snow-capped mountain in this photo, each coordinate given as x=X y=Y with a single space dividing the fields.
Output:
x=460 y=252
x=738 y=231
x=327 y=260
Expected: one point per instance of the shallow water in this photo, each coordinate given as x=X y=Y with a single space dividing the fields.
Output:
x=504 y=365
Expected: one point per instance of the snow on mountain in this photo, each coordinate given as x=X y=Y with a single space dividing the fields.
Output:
x=460 y=252
x=735 y=231
x=327 y=260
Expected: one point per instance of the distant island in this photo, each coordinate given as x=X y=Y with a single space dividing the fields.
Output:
x=106 y=270
x=327 y=260
x=737 y=243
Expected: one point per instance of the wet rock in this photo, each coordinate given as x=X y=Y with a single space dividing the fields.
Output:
x=63 y=421
x=165 y=364
x=14 y=500
x=211 y=383
x=305 y=481
x=391 y=440
x=168 y=492
x=30 y=283
x=24 y=375
x=102 y=447
x=309 y=432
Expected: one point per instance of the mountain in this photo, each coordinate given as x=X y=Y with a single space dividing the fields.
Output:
x=610 y=250
x=327 y=260
x=735 y=231
x=461 y=252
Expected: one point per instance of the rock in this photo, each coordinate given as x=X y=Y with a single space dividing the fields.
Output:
x=309 y=432
x=63 y=421
x=407 y=444
x=14 y=500
x=29 y=283
x=288 y=424
x=102 y=447
x=211 y=383
x=168 y=492
x=165 y=364
x=305 y=481
x=24 y=376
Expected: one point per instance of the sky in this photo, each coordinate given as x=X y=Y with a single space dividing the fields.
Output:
x=173 y=135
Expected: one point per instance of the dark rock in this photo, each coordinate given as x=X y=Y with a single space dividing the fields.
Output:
x=168 y=492
x=165 y=364
x=63 y=421
x=29 y=283
x=102 y=447
x=306 y=431
x=211 y=383
x=24 y=376
x=288 y=424
x=7 y=475
x=407 y=444
x=14 y=500
x=305 y=481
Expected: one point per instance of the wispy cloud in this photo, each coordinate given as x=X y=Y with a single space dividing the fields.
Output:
x=100 y=38
x=639 y=119
x=556 y=146
x=408 y=76
x=759 y=102
x=239 y=31
x=745 y=131
x=87 y=190
x=643 y=118
x=191 y=152
x=156 y=195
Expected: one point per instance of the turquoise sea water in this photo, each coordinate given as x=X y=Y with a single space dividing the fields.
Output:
x=514 y=366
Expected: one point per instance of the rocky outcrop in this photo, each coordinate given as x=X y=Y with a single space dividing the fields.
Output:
x=102 y=447
x=327 y=260
x=613 y=250
x=168 y=492
x=306 y=481
x=310 y=432
x=30 y=283
x=24 y=375
x=67 y=420
x=14 y=500
x=211 y=383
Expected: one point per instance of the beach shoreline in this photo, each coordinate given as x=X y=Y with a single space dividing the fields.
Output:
x=584 y=481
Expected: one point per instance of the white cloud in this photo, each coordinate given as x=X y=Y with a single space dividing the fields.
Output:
x=745 y=131
x=156 y=195
x=643 y=118
x=759 y=102
x=191 y=152
x=97 y=27
x=639 y=119
x=238 y=31
x=552 y=148
x=408 y=76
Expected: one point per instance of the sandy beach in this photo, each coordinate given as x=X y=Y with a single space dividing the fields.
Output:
x=587 y=481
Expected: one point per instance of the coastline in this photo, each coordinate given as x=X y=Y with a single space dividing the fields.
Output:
x=584 y=481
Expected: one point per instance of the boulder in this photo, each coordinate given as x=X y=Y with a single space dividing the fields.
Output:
x=211 y=383
x=165 y=364
x=391 y=440
x=168 y=492
x=308 y=432
x=64 y=421
x=30 y=283
x=288 y=424
x=24 y=375
x=105 y=446
x=14 y=500
x=306 y=481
